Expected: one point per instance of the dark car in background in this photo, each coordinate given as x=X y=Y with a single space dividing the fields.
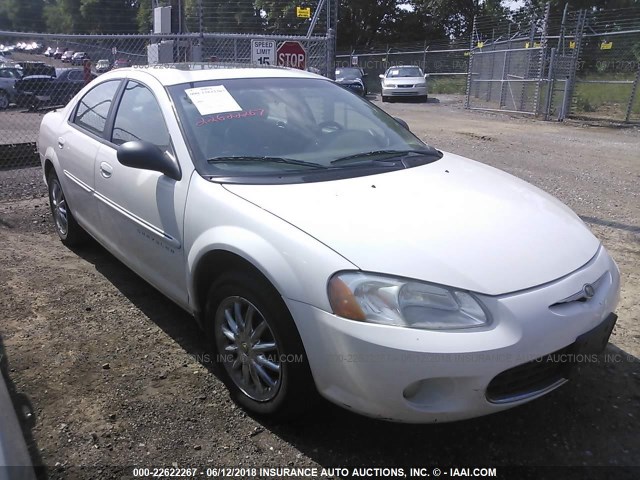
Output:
x=36 y=68
x=8 y=77
x=78 y=58
x=38 y=90
x=352 y=78
x=58 y=53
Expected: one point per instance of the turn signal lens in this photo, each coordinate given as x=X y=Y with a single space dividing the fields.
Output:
x=343 y=302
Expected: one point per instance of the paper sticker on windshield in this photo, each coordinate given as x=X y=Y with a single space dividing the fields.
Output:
x=394 y=72
x=210 y=100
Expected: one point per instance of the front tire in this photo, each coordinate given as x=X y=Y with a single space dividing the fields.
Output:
x=257 y=349
x=71 y=234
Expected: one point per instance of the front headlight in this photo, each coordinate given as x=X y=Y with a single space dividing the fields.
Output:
x=401 y=302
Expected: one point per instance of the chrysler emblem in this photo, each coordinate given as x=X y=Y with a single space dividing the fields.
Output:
x=588 y=290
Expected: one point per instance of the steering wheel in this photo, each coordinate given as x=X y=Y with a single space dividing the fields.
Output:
x=330 y=127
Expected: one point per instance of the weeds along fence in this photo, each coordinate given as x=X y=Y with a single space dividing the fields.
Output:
x=36 y=75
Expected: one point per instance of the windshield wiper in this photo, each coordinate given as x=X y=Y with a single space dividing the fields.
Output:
x=258 y=159
x=387 y=154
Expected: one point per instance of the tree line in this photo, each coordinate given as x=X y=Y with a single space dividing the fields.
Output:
x=361 y=23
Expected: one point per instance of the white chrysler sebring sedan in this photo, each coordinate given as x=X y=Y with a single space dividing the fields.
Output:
x=323 y=248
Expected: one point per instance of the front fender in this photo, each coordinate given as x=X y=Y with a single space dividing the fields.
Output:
x=295 y=263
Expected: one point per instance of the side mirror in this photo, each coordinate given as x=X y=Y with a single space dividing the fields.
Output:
x=402 y=122
x=147 y=156
x=381 y=76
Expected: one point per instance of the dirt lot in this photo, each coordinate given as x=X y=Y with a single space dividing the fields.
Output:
x=112 y=371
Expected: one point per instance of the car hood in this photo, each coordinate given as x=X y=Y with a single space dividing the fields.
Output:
x=404 y=80
x=454 y=222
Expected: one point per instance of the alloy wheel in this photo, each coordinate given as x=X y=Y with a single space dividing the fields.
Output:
x=59 y=208
x=248 y=348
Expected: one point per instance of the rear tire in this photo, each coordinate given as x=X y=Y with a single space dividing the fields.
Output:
x=256 y=347
x=4 y=100
x=71 y=234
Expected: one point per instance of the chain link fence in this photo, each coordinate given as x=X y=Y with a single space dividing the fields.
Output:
x=446 y=63
x=608 y=71
x=582 y=64
x=508 y=66
x=43 y=71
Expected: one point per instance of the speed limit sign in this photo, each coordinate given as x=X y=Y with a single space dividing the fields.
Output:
x=263 y=52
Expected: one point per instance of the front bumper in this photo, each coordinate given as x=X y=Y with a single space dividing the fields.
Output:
x=354 y=87
x=421 y=376
x=404 y=91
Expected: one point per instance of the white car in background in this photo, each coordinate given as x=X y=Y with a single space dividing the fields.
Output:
x=404 y=81
x=325 y=248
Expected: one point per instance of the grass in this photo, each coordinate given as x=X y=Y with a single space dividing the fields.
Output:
x=608 y=100
x=455 y=84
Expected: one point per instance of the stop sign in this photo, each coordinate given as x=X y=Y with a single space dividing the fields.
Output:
x=292 y=54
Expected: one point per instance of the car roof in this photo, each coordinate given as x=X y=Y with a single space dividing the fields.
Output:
x=395 y=67
x=175 y=74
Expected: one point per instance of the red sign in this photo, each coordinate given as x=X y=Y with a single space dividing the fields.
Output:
x=291 y=54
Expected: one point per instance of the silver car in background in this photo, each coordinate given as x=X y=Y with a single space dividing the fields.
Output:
x=404 y=81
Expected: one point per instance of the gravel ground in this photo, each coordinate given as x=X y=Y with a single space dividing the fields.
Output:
x=113 y=371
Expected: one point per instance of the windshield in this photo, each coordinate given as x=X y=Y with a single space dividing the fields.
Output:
x=276 y=126
x=404 y=72
x=348 y=73
x=10 y=73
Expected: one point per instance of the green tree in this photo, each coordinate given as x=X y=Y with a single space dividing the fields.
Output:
x=63 y=16
x=363 y=23
x=109 y=16
x=457 y=16
x=222 y=16
x=22 y=15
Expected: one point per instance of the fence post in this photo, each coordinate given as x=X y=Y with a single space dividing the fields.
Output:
x=493 y=67
x=543 y=58
x=470 y=65
x=550 y=81
x=523 y=90
x=634 y=92
x=330 y=44
x=505 y=69
x=424 y=57
x=563 y=26
x=575 y=64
